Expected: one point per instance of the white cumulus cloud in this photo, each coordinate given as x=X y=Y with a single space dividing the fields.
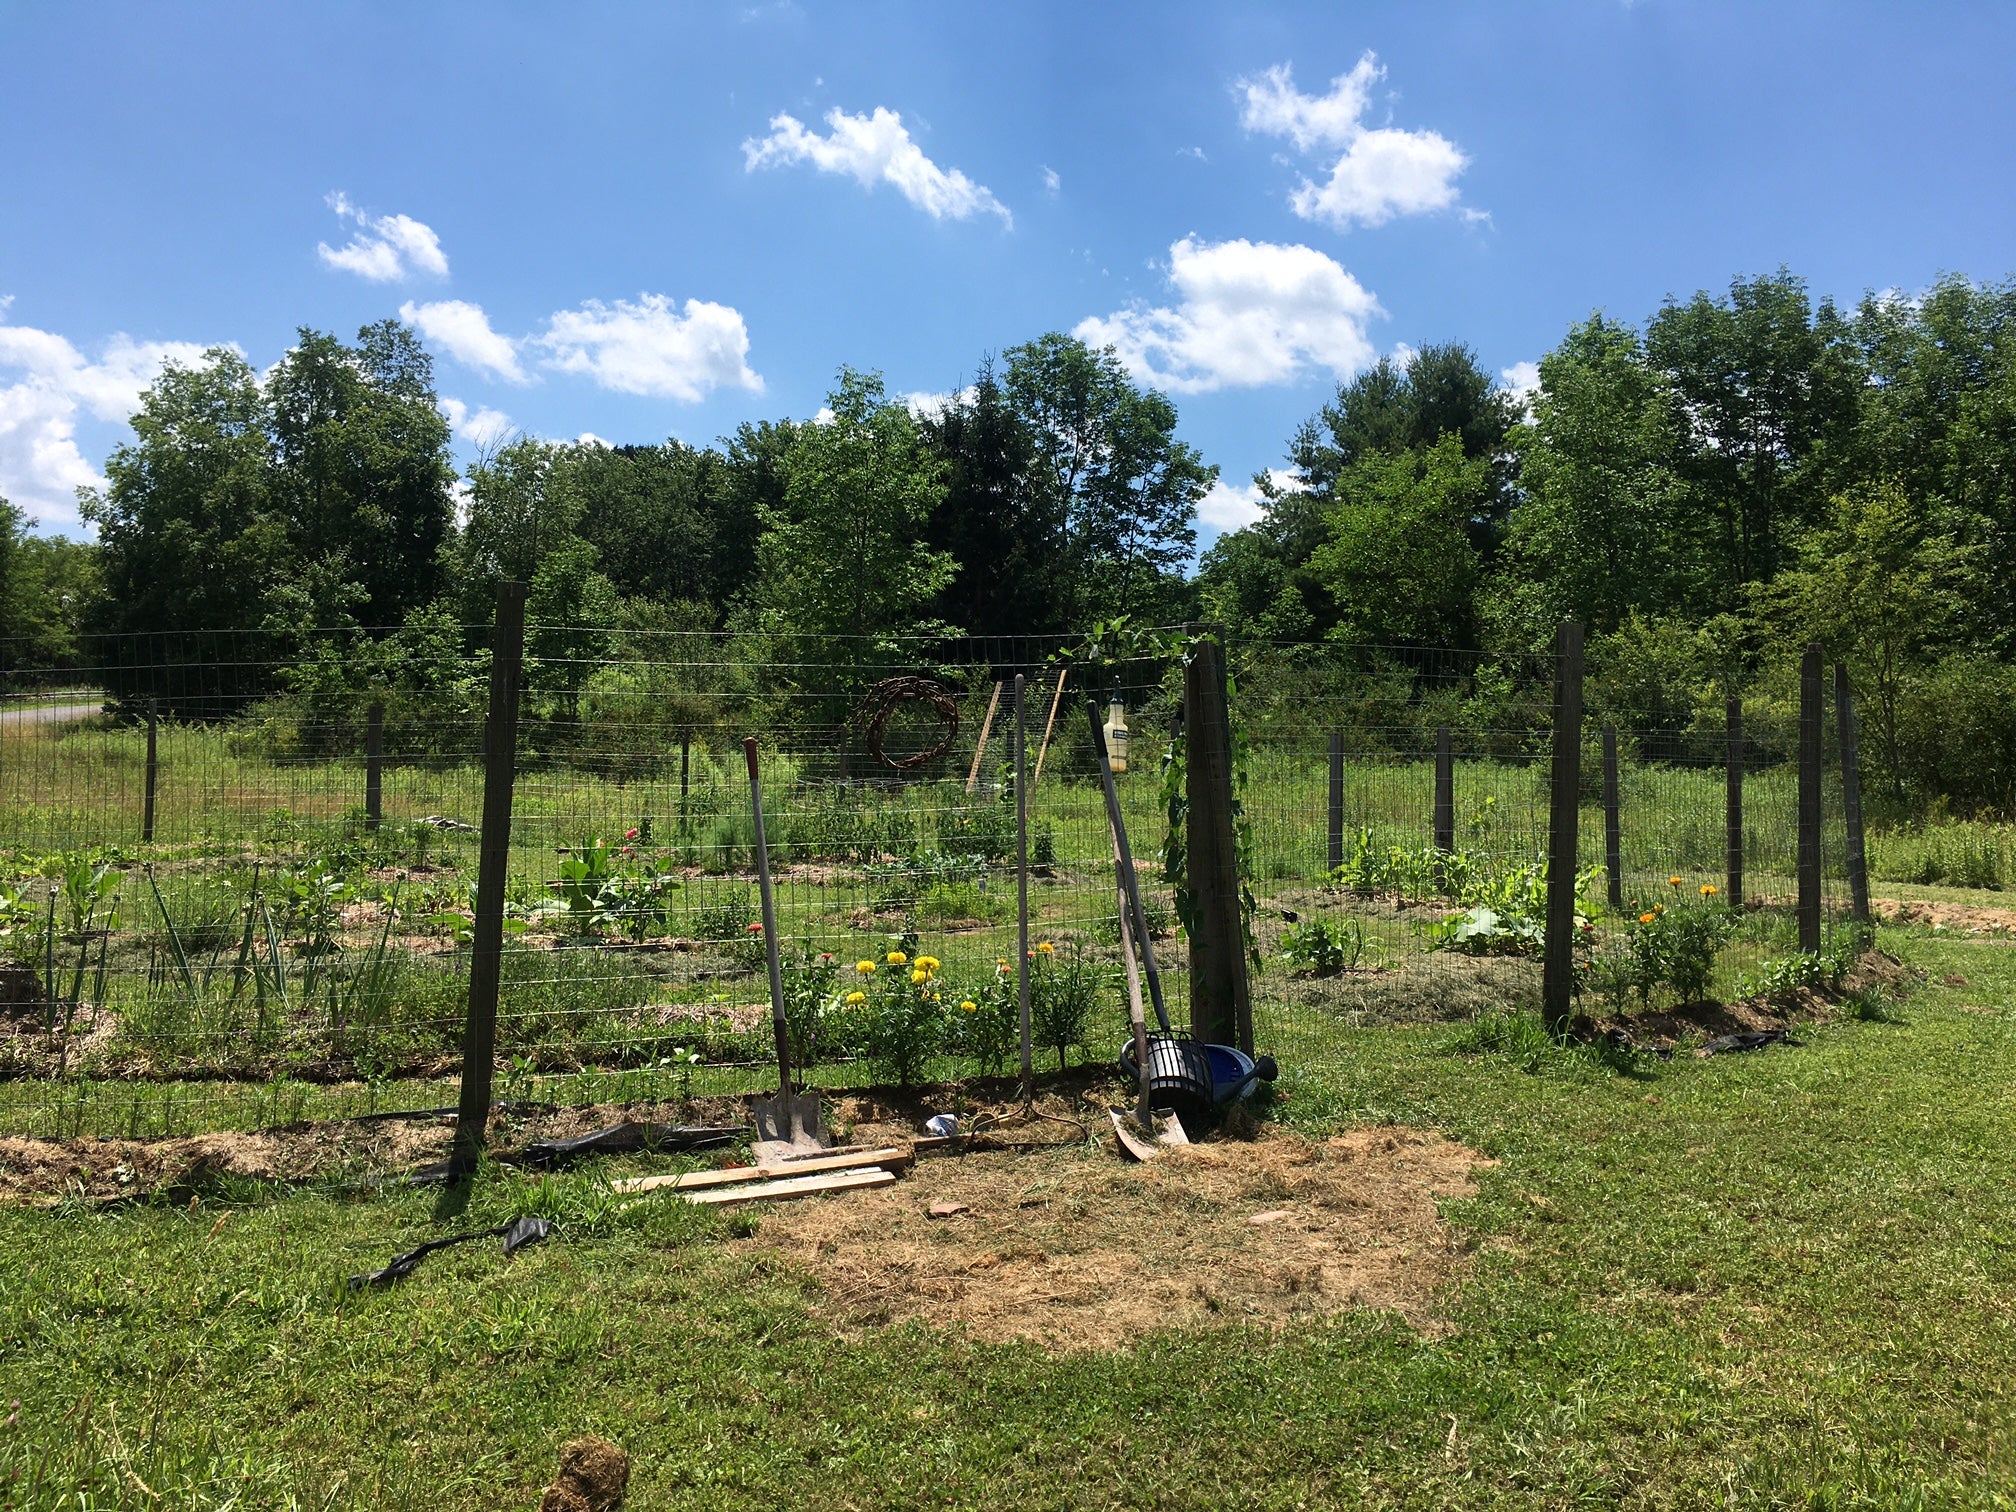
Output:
x=1521 y=380
x=1246 y=313
x=652 y=347
x=1052 y=182
x=1233 y=507
x=463 y=331
x=383 y=248
x=482 y=427
x=875 y=149
x=1381 y=172
x=52 y=385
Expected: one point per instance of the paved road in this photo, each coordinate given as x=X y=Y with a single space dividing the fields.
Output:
x=62 y=713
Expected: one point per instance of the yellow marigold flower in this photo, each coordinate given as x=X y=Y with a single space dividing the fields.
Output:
x=934 y=997
x=969 y=1005
x=1047 y=948
x=896 y=958
x=866 y=968
x=857 y=997
x=1646 y=918
x=1658 y=908
x=929 y=963
x=1000 y=960
x=919 y=977
x=1674 y=881
x=1707 y=889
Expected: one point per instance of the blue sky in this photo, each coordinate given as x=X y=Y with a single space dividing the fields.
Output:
x=607 y=225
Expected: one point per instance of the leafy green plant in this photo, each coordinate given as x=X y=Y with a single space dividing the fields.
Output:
x=1318 y=947
x=1064 y=988
x=902 y=1019
x=1484 y=931
x=987 y=1023
x=1675 y=945
x=811 y=991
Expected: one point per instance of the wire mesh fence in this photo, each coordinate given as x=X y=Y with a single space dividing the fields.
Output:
x=271 y=918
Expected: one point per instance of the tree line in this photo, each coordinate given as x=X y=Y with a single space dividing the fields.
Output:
x=1707 y=492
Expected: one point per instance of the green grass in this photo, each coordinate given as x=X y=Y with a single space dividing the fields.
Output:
x=1785 y=1279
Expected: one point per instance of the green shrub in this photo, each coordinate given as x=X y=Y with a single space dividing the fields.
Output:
x=1064 y=988
x=988 y=1022
x=1675 y=945
x=903 y=1020
x=1319 y=948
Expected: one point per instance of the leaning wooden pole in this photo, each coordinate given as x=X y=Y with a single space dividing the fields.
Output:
x=486 y=957
x=1049 y=725
x=1557 y=976
x=986 y=729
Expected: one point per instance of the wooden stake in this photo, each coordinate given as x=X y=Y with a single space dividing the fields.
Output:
x=793 y=1186
x=986 y=728
x=1557 y=972
x=1049 y=725
x=1221 y=1004
x=486 y=952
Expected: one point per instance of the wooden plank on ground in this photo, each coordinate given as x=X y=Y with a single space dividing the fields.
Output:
x=794 y=1186
x=890 y=1157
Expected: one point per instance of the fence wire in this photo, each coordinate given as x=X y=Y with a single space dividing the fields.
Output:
x=281 y=930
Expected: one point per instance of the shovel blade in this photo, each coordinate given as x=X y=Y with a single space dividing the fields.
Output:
x=1137 y=1143
x=788 y=1124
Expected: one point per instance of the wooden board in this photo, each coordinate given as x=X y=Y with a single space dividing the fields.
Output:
x=793 y=1186
x=890 y=1157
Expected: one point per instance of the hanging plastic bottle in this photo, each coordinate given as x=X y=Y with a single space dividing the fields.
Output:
x=1116 y=732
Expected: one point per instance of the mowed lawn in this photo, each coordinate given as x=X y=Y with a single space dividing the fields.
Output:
x=1778 y=1279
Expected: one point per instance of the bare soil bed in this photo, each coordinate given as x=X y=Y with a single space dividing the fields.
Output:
x=1074 y=1250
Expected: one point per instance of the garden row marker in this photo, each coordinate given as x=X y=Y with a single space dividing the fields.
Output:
x=1613 y=822
x=486 y=938
x=374 y=756
x=1811 y=694
x=1557 y=966
x=794 y=1186
x=1733 y=713
x=790 y=1121
x=1851 y=795
x=1050 y=724
x=1333 y=849
x=889 y=1158
x=147 y=816
x=980 y=750
x=1221 y=1003
x=1022 y=887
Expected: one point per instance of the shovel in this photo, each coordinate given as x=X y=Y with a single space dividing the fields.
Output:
x=788 y=1124
x=1143 y=1132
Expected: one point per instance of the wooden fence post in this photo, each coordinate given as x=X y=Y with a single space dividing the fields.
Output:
x=153 y=771
x=1851 y=794
x=500 y=770
x=374 y=758
x=1022 y=888
x=1557 y=977
x=1221 y=1005
x=1811 y=696
x=1613 y=821
x=1333 y=849
x=1733 y=827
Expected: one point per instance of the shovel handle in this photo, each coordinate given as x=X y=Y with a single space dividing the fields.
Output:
x=770 y=949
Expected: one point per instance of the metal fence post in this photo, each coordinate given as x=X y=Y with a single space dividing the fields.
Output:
x=153 y=771
x=1733 y=825
x=1557 y=978
x=374 y=757
x=1851 y=794
x=1613 y=821
x=1333 y=849
x=479 y=1035
x=1221 y=1005
x=1811 y=695
x=1022 y=889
